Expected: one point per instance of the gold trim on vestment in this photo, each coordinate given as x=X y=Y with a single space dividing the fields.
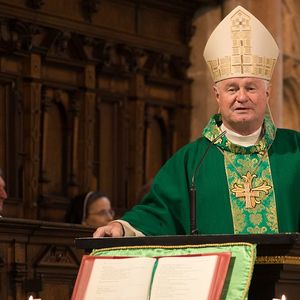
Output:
x=277 y=260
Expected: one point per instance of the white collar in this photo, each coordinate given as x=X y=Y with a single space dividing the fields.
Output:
x=242 y=140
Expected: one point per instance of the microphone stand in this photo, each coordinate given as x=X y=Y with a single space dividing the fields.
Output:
x=192 y=191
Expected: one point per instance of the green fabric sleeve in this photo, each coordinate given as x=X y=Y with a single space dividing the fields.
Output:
x=164 y=211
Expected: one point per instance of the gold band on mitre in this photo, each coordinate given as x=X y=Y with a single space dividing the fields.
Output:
x=241 y=46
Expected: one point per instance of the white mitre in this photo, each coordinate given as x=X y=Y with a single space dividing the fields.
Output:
x=241 y=46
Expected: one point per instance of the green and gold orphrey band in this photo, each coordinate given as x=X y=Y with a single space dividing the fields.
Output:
x=249 y=179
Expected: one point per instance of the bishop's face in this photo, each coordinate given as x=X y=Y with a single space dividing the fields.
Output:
x=242 y=103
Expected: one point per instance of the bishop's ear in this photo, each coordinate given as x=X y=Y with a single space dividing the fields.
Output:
x=268 y=90
x=216 y=92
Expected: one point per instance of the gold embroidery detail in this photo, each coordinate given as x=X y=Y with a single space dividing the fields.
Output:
x=270 y=260
x=239 y=218
x=242 y=60
x=272 y=217
x=255 y=219
x=248 y=192
x=257 y=229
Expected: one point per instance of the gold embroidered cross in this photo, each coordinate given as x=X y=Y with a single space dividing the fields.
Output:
x=248 y=192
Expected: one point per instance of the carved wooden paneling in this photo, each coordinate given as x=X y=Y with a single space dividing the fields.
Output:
x=87 y=143
x=11 y=151
x=95 y=89
x=291 y=65
x=158 y=140
x=39 y=259
x=59 y=136
x=291 y=104
x=112 y=146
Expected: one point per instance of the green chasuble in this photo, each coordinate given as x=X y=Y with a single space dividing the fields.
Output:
x=239 y=189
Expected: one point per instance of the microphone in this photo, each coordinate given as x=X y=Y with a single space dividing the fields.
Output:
x=192 y=192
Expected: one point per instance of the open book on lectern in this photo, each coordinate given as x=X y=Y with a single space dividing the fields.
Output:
x=193 y=277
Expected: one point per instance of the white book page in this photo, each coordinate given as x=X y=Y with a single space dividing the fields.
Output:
x=183 y=278
x=121 y=279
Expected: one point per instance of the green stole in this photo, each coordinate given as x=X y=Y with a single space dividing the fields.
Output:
x=249 y=179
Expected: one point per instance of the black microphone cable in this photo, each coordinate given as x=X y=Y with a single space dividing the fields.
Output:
x=192 y=191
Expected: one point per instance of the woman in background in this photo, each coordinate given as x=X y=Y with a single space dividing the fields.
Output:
x=90 y=209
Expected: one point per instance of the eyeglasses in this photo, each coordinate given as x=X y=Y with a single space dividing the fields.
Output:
x=104 y=213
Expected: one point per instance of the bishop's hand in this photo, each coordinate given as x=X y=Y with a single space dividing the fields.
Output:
x=113 y=229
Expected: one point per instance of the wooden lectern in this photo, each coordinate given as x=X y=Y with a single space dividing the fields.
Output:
x=276 y=270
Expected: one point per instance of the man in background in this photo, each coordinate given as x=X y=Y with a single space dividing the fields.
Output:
x=3 y=194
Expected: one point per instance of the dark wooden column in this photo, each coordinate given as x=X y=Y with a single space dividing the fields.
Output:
x=32 y=116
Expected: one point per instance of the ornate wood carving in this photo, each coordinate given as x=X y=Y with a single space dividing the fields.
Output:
x=75 y=112
x=84 y=88
x=11 y=148
x=46 y=106
x=17 y=35
x=18 y=272
x=111 y=57
x=291 y=106
x=60 y=116
x=57 y=256
x=38 y=257
x=89 y=164
x=32 y=116
x=89 y=8
x=79 y=92
x=35 y=4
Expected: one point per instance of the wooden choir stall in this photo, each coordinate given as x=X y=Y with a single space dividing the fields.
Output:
x=38 y=258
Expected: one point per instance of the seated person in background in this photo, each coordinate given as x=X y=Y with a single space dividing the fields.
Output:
x=3 y=194
x=248 y=181
x=90 y=209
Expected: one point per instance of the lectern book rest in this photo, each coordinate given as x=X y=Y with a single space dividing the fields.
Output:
x=279 y=242
x=277 y=255
x=193 y=277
